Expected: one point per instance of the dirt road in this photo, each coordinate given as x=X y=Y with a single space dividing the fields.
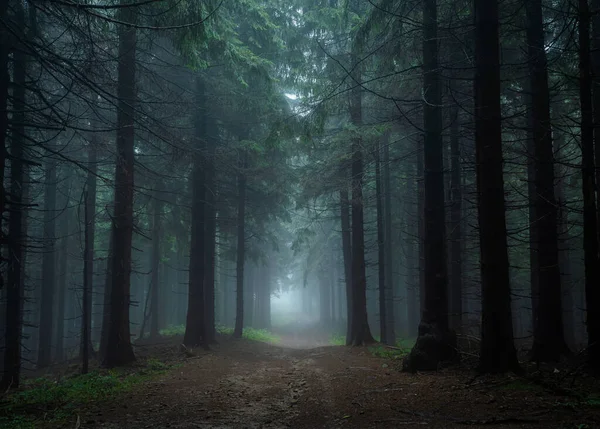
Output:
x=244 y=384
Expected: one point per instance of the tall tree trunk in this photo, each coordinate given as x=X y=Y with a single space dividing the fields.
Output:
x=498 y=352
x=360 y=333
x=4 y=84
x=106 y=298
x=347 y=254
x=434 y=344
x=385 y=329
x=48 y=267
x=211 y=236
x=421 y=229
x=154 y=291
x=14 y=284
x=549 y=341
x=595 y=59
x=590 y=236
x=388 y=248
x=88 y=257
x=412 y=263
x=456 y=238
x=241 y=248
x=195 y=330
x=118 y=345
x=63 y=273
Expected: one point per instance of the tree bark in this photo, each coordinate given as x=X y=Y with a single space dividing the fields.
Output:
x=347 y=254
x=595 y=59
x=211 y=235
x=360 y=333
x=590 y=233
x=154 y=291
x=48 y=267
x=456 y=237
x=549 y=343
x=118 y=345
x=388 y=248
x=195 y=329
x=241 y=249
x=434 y=342
x=498 y=353
x=14 y=284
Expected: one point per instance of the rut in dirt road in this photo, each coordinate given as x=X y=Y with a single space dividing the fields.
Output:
x=245 y=384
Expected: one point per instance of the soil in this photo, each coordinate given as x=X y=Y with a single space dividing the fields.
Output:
x=246 y=384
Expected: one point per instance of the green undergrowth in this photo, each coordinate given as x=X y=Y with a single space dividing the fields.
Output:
x=249 y=333
x=261 y=335
x=45 y=401
x=402 y=347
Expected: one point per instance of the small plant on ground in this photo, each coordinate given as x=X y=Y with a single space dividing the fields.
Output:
x=253 y=334
x=43 y=400
x=337 y=340
x=172 y=331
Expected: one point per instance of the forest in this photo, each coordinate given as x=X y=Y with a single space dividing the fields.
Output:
x=265 y=213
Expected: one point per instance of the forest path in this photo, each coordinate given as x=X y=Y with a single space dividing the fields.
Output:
x=245 y=384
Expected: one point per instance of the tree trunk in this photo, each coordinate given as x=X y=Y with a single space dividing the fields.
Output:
x=211 y=237
x=48 y=267
x=549 y=341
x=434 y=343
x=118 y=345
x=14 y=284
x=456 y=238
x=347 y=254
x=195 y=330
x=63 y=273
x=107 y=292
x=595 y=59
x=360 y=332
x=88 y=257
x=4 y=84
x=388 y=248
x=241 y=243
x=421 y=229
x=154 y=291
x=590 y=236
x=385 y=329
x=498 y=353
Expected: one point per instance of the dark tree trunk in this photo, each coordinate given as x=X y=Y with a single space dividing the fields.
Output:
x=324 y=300
x=533 y=231
x=590 y=236
x=434 y=342
x=421 y=229
x=386 y=330
x=88 y=258
x=360 y=333
x=241 y=248
x=456 y=238
x=549 y=341
x=195 y=330
x=4 y=84
x=107 y=292
x=595 y=59
x=412 y=263
x=63 y=273
x=14 y=283
x=211 y=236
x=118 y=345
x=347 y=254
x=388 y=248
x=154 y=288
x=48 y=268
x=498 y=352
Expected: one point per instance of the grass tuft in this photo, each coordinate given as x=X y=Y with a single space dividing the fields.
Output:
x=172 y=331
x=261 y=335
x=43 y=400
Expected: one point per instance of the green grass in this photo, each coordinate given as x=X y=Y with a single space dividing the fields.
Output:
x=252 y=334
x=172 y=331
x=337 y=340
x=43 y=400
x=403 y=344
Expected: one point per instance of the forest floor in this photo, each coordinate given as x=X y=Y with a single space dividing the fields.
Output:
x=251 y=384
